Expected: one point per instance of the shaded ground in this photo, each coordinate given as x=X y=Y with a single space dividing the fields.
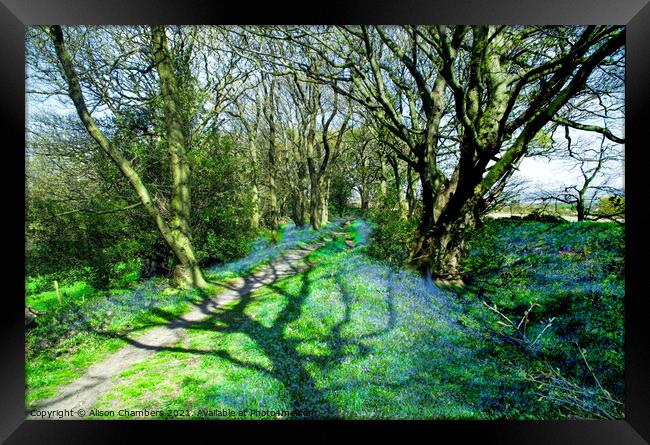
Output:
x=83 y=392
x=345 y=338
x=331 y=333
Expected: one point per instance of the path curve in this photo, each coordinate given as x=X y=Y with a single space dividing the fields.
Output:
x=82 y=393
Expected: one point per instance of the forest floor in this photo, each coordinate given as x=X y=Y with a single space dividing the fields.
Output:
x=314 y=327
x=99 y=378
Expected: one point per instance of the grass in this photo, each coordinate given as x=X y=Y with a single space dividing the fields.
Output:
x=46 y=373
x=47 y=300
x=87 y=327
x=351 y=337
x=570 y=279
x=356 y=337
x=72 y=337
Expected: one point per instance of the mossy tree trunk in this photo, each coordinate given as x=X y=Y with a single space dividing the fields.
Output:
x=298 y=182
x=383 y=180
x=312 y=153
x=315 y=204
x=272 y=156
x=319 y=156
x=301 y=198
x=400 y=197
x=255 y=193
x=175 y=234
x=411 y=202
x=187 y=272
x=325 y=198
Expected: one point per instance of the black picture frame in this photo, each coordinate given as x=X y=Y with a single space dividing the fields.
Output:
x=635 y=14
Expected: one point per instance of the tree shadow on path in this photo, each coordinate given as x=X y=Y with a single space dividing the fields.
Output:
x=289 y=365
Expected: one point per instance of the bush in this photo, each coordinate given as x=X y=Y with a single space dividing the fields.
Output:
x=219 y=248
x=611 y=205
x=392 y=236
x=125 y=273
x=44 y=283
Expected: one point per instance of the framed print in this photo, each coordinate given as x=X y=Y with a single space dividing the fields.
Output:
x=361 y=218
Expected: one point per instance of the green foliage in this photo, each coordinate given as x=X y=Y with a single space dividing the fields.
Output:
x=47 y=300
x=340 y=191
x=222 y=205
x=125 y=273
x=392 y=234
x=565 y=282
x=87 y=238
x=611 y=205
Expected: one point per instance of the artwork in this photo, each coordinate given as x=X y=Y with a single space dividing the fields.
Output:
x=325 y=222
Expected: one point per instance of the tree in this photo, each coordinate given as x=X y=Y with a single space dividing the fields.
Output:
x=175 y=232
x=317 y=152
x=610 y=207
x=362 y=165
x=270 y=115
x=251 y=124
x=78 y=213
x=593 y=183
x=320 y=184
x=465 y=101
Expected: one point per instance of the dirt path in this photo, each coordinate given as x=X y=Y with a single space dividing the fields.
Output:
x=82 y=393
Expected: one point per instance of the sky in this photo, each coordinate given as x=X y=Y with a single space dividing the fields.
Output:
x=546 y=174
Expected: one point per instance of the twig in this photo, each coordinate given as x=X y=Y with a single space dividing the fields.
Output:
x=550 y=322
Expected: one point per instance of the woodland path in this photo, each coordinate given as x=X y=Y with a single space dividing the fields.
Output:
x=82 y=393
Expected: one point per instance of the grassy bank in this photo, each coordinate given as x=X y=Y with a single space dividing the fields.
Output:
x=87 y=327
x=537 y=333
x=554 y=293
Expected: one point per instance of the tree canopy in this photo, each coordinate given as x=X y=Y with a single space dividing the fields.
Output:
x=176 y=144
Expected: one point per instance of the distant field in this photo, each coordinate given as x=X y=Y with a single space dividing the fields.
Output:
x=571 y=217
x=506 y=214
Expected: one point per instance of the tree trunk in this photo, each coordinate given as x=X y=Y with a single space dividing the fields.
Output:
x=255 y=194
x=177 y=241
x=428 y=197
x=399 y=196
x=187 y=272
x=273 y=198
x=364 y=205
x=383 y=181
x=297 y=209
x=580 y=207
x=255 y=204
x=315 y=204
x=302 y=195
x=439 y=245
x=363 y=194
x=298 y=203
x=325 y=197
x=438 y=250
x=410 y=194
